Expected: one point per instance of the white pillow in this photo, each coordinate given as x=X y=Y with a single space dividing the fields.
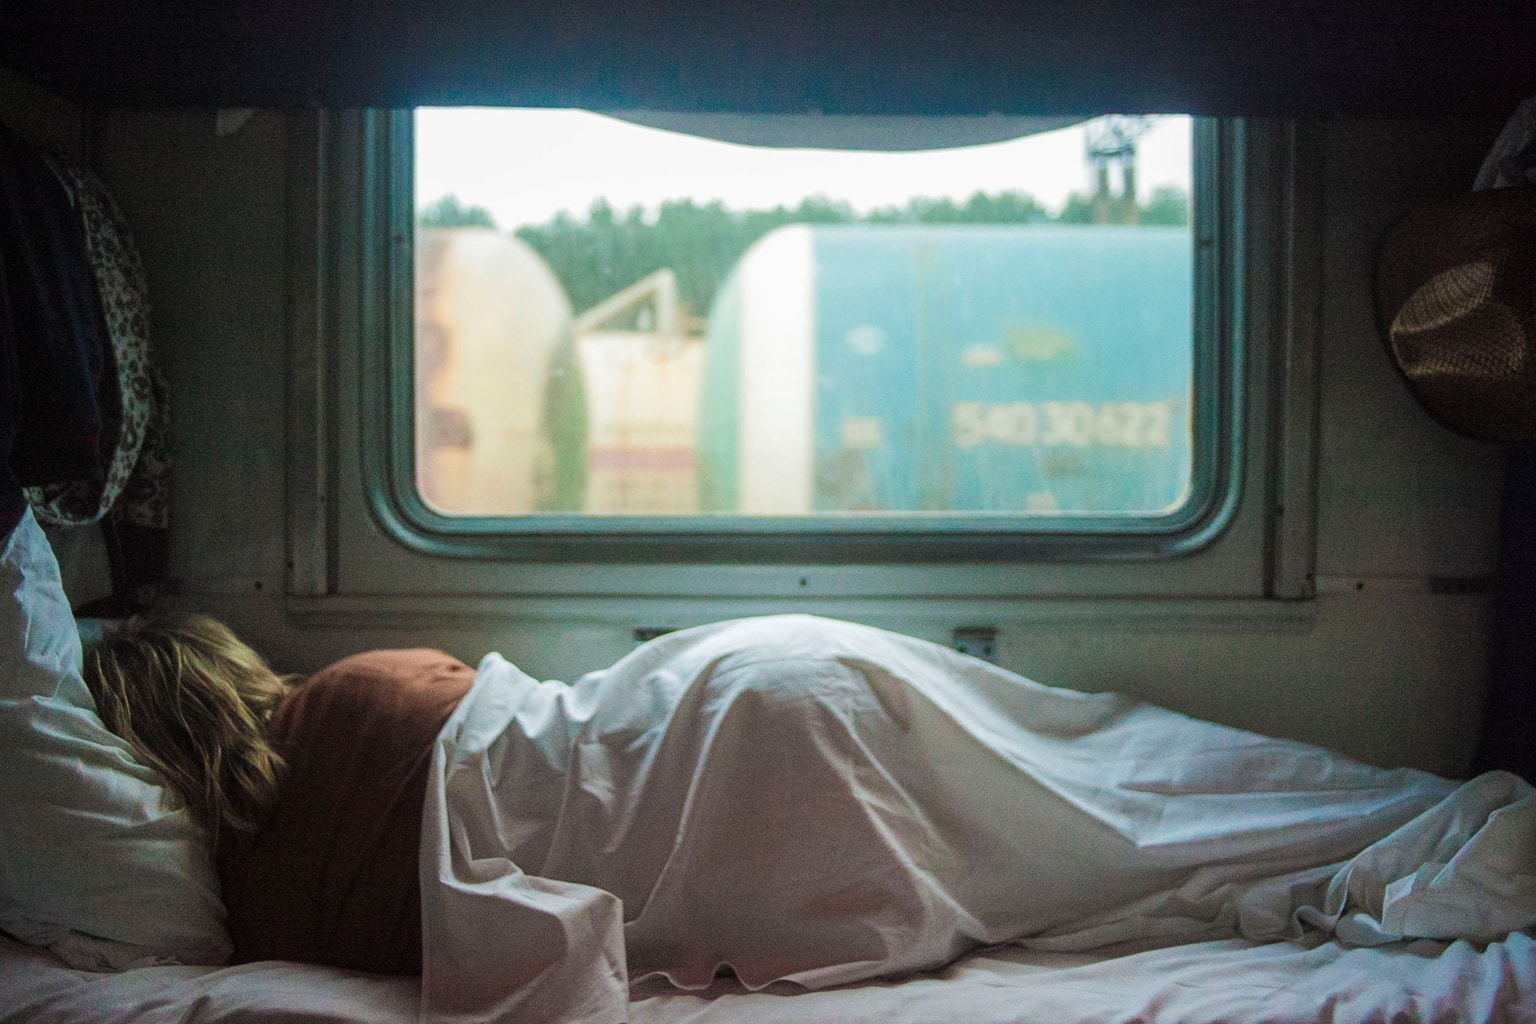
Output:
x=93 y=863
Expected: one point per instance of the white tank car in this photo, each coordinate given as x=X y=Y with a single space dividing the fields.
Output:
x=490 y=318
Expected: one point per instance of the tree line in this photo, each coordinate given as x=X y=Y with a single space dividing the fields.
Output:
x=596 y=256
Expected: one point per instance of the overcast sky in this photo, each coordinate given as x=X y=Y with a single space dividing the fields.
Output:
x=524 y=166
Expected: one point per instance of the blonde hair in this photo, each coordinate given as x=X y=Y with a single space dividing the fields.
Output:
x=194 y=703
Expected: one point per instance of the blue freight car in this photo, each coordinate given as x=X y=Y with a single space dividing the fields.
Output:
x=973 y=369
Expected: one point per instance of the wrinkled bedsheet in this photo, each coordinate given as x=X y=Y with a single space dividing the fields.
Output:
x=815 y=803
x=1219 y=982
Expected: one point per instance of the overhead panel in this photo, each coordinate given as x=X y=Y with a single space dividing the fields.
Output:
x=964 y=57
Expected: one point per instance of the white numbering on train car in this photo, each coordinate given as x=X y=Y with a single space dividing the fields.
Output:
x=1064 y=424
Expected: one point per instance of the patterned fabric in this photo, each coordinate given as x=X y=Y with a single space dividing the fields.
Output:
x=146 y=499
x=133 y=399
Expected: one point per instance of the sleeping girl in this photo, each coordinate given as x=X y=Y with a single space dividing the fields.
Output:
x=787 y=799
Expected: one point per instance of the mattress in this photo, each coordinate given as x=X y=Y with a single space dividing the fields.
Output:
x=1231 y=981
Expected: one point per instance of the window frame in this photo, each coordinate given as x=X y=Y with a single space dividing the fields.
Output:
x=386 y=250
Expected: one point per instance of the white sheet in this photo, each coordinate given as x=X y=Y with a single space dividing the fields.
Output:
x=37 y=988
x=1230 y=982
x=819 y=802
x=1226 y=982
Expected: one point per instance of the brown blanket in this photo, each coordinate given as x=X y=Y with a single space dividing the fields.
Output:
x=332 y=877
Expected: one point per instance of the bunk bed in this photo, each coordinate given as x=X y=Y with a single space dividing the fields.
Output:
x=1314 y=978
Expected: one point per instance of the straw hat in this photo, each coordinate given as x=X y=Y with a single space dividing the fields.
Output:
x=1456 y=297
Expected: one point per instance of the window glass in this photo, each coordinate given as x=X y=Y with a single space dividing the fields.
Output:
x=618 y=320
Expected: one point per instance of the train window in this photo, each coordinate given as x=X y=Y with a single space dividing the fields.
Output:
x=621 y=328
